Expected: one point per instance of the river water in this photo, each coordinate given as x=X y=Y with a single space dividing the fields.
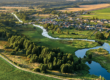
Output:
x=95 y=68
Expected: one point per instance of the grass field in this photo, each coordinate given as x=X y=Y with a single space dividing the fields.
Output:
x=64 y=45
x=84 y=34
x=101 y=14
x=86 y=7
x=8 y=72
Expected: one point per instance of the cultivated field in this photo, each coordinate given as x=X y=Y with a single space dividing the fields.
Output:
x=86 y=7
x=101 y=14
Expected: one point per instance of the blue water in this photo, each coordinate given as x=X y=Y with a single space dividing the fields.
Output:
x=95 y=68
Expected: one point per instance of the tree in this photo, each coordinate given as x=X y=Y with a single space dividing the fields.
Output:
x=44 y=52
x=63 y=68
x=50 y=66
x=59 y=62
x=66 y=68
x=79 y=60
x=45 y=60
x=90 y=56
x=64 y=58
x=43 y=67
x=100 y=36
x=58 y=30
x=70 y=56
x=28 y=52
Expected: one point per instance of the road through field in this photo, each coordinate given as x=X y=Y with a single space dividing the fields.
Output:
x=30 y=70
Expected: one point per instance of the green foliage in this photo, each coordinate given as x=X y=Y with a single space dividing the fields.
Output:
x=36 y=69
x=58 y=30
x=33 y=58
x=28 y=52
x=100 y=36
x=66 y=68
x=43 y=67
x=29 y=56
x=16 y=48
x=13 y=53
x=50 y=66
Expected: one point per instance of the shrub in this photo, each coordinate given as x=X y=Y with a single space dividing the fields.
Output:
x=13 y=53
x=29 y=56
x=16 y=48
x=5 y=47
x=36 y=69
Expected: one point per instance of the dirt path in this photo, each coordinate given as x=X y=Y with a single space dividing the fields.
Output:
x=30 y=70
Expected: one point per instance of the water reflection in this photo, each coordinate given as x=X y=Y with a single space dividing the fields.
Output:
x=96 y=69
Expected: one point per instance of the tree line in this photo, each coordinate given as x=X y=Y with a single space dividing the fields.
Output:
x=52 y=59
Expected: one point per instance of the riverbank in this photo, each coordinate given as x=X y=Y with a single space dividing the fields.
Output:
x=46 y=35
x=101 y=56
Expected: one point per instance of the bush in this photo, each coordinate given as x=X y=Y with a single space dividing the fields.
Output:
x=29 y=56
x=13 y=53
x=16 y=48
x=36 y=69
x=11 y=46
x=5 y=47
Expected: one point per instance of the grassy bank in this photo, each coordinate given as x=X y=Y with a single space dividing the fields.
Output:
x=73 y=33
x=8 y=72
x=101 y=56
x=66 y=46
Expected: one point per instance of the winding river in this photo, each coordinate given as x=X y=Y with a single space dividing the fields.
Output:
x=95 y=68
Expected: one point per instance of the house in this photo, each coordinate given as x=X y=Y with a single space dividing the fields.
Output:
x=98 y=21
x=92 y=21
x=105 y=21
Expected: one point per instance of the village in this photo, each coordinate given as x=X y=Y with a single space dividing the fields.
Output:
x=66 y=21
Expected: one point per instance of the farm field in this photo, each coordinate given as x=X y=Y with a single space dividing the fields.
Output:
x=100 y=14
x=86 y=7
x=9 y=72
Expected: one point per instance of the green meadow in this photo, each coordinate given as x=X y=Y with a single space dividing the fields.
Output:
x=79 y=34
x=100 y=14
x=9 y=72
x=64 y=45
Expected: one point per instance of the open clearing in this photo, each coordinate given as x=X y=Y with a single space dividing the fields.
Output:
x=86 y=7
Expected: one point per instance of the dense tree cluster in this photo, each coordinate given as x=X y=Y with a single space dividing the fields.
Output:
x=53 y=59
x=6 y=32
